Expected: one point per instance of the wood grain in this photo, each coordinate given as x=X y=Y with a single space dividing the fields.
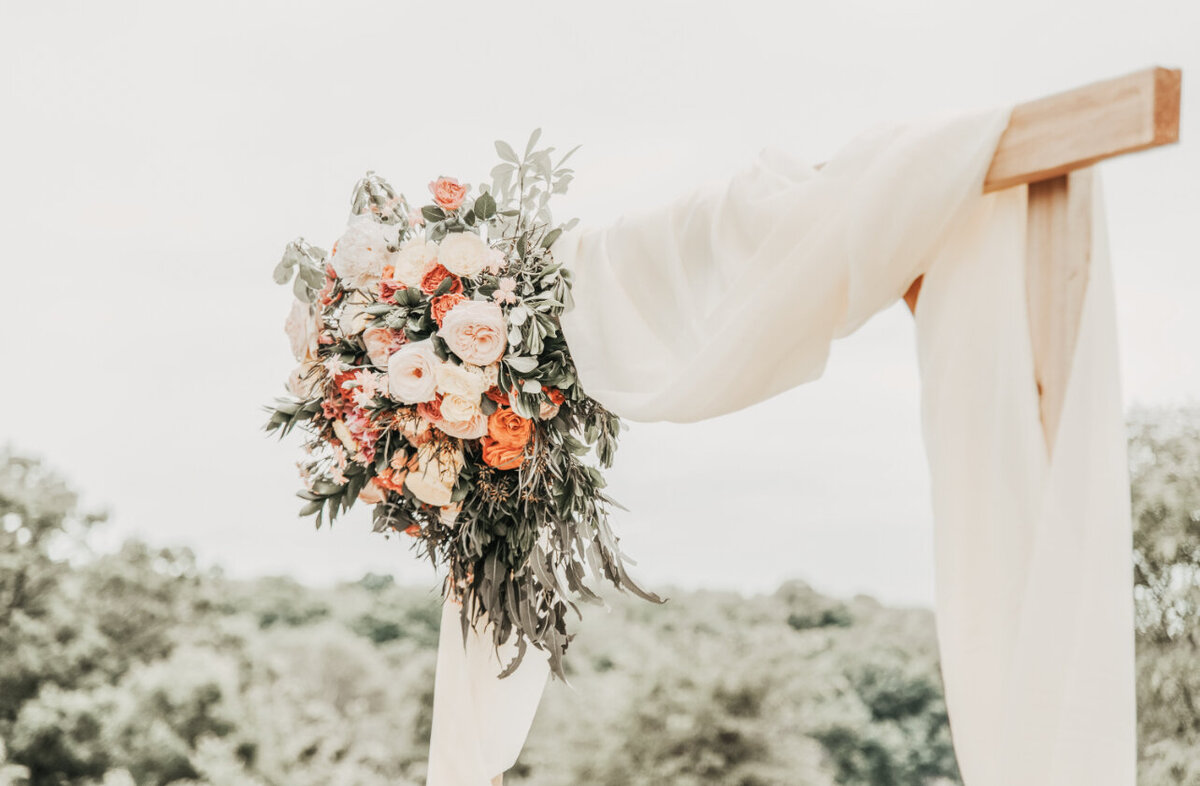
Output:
x=1060 y=133
x=1058 y=255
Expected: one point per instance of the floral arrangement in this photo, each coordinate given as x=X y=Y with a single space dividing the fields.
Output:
x=435 y=384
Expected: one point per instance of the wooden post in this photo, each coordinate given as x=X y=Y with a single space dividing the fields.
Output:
x=1058 y=254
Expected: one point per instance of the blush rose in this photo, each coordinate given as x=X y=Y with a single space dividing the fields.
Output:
x=475 y=331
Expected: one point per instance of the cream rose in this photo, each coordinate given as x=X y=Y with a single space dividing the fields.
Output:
x=464 y=381
x=353 y=320
x=362 y=251
x=437 y=471
x=414 y=428
x=414 y=258
x=463 y=254
x=475 y=331
x=412 y=373
x=474 y=428
x=459 y=408
x=449 y=514
x=301 y=328
x=302 y=382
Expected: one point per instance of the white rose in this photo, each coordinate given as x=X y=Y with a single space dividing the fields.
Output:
x=437 y=471
x=412 y=373
x=414 y=258
x=463 y=254
x=301 y=328
x=362 y=251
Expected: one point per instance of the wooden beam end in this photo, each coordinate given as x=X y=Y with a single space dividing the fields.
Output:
x=1168 y=88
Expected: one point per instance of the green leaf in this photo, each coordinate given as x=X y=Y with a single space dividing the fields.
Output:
x=312 y=507
x=485 y=206
x=433 y=213
x=301 y=290
x=550 y=237
x=283 y=271
x=521 y=363
x=533 y=138
x=505 y=151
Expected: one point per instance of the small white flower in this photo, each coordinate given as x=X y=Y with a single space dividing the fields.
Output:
x=507 y=291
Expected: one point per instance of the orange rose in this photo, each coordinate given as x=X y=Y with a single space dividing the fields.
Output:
x=508 y=434
x=500 y=456
x=555 y=395
x=448 y=192
x=443 y=303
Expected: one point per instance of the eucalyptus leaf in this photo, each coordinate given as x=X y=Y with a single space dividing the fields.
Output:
x=522 y=364
x=505 y=151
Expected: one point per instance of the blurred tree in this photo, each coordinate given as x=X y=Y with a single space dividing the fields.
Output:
x=1164 y=454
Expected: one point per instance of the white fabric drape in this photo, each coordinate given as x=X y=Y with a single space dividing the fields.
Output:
x=732 y=295
x=479 y=722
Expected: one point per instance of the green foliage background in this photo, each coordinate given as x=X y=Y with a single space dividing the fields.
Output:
x=138 y=668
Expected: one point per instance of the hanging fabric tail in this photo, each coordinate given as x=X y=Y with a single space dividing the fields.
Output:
x=479 y=721
x=1034 y=577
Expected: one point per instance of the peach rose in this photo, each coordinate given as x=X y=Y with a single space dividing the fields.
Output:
x=303 y=326
x=442 y=304
x=372 y=494
x=475 y=331
x=448 y=192
x=381 y=343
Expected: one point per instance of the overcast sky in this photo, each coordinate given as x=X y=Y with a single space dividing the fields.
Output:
x=157 y=156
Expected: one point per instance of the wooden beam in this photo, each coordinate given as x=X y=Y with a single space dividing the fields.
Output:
x=1058 y=255
x=1060 y=133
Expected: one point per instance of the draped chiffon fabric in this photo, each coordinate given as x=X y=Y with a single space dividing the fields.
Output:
x=731 y=295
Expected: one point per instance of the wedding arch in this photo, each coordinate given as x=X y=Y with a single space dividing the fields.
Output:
x=1016 y=337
